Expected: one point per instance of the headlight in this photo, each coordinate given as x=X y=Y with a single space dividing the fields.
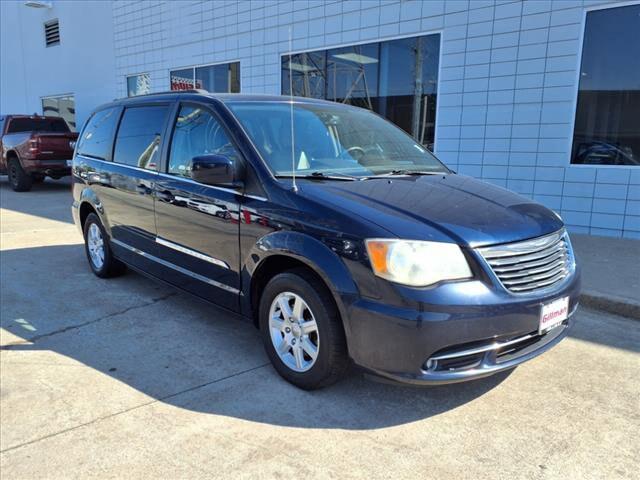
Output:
x=417 y=263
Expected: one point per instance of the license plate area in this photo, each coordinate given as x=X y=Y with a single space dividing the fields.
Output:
x=552 y=314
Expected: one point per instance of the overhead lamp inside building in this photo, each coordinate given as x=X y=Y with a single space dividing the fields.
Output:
x=38 y=4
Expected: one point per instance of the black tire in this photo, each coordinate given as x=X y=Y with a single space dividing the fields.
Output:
x=111 y=267
x=332 y=361
x=19 y=179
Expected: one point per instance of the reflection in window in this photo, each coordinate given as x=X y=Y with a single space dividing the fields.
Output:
x=138 y=136
x=607 y=127
x=138 y=84
x=397 y=79
x=223 y=78
x=96 y=137
x=197 y=132
x=61 y=106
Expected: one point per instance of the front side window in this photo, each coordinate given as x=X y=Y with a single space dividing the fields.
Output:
x=197 y=132
x=61 y=106
x=222 y=78
x=607 y=126
x=138 y=139
x=138 y=85
x=331 y=140
x=397 y=79
x=96 y=137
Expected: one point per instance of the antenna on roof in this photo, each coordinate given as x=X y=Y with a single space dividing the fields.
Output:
x=293 y=148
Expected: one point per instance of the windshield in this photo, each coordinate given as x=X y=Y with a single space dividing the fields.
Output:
x=331 y=140
x=37 y=124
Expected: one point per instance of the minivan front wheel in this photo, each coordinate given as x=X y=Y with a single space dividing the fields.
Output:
x=101 y=260
x=302 y=331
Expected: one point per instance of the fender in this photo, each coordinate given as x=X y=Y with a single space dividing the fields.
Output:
x=88 y=195
x=309 y=251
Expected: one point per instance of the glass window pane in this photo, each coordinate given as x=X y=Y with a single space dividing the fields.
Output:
x=197 y=132
x=352 y=75
x=224 y=78
x=182 y=79
x=63 y=106
x=398 y=79
x=138 y=85
x=96 y=136
x=138 y=137
x=607 y=126
x=308 y=72
x=234 y=74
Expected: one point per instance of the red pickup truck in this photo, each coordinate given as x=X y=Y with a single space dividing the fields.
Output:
x=33 y=147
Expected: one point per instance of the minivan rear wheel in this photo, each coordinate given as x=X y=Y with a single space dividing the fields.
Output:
x=302 y=331
x=96 y=245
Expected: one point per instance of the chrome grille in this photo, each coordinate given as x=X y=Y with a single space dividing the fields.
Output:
x=531 y=265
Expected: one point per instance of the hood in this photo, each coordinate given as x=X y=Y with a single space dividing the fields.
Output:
x=439 y=208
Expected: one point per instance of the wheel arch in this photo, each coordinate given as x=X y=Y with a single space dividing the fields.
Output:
x=90 y=203
x=283 y=251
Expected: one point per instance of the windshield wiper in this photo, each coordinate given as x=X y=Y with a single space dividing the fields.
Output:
x=400 y=172
x=322 y=176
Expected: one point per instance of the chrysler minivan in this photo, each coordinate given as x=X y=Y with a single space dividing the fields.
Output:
x=342 y=239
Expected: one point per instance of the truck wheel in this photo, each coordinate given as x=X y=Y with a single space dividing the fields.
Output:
x=302 y=331
x=19 y=179
x=96 y=245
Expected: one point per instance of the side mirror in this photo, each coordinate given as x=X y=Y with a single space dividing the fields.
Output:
x=214 y=170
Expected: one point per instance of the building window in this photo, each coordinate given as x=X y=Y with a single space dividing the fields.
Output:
x=397 y=79
x=52 y=33
x=607 y=126
x=221 y=78
x=61 y=106
x=138 y=84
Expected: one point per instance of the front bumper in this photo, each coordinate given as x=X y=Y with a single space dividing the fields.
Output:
x=460 y=331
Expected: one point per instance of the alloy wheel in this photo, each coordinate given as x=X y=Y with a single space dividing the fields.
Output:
x=294 y=331
x=95 y=245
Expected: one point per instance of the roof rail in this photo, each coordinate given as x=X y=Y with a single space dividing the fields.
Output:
x=169 y=92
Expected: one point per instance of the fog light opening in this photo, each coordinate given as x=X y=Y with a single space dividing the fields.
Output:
x=431 y=364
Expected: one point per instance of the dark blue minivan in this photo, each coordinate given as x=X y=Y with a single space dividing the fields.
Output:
x=338 y=235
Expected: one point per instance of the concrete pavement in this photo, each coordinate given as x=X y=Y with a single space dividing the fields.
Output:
x=124 y=377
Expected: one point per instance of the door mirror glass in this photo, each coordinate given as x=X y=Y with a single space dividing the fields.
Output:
x=214 y=169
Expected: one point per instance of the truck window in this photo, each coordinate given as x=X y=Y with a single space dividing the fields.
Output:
x=139 y=134
x=37 y=124
x=96 y=137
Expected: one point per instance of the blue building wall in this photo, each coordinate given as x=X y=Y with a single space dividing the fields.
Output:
x=507 y=89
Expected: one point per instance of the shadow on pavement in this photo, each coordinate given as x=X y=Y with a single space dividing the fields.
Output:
x=185 y=352
x=51 y=199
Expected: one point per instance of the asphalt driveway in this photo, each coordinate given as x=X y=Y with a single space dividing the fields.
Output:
x=129 y=378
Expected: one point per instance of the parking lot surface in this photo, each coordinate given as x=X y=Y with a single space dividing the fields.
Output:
x=130 y=378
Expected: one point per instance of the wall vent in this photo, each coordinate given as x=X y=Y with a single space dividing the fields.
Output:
x=52 y=33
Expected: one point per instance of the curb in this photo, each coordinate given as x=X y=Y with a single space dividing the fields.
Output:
x=616 y=305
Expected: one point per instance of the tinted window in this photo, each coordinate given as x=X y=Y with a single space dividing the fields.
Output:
x=139 y=134
x=607 y=128
x=63 y=106
x=96 y=136
x=38 y=125
x=397 y=79
x=197 y=132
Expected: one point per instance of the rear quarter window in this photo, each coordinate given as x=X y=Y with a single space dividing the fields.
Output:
x=96 y=137
x=138 y=139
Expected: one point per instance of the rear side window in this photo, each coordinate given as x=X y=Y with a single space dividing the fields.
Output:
x=96 y=137
x=138 y=140
x=26 y=124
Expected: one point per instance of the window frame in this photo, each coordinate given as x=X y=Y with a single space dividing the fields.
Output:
x=170 y=107
x=422 y=33
x=578 y=68
x=204 y=65
x=164 y=167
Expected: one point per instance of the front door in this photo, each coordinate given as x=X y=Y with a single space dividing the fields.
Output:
x=197 y=225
